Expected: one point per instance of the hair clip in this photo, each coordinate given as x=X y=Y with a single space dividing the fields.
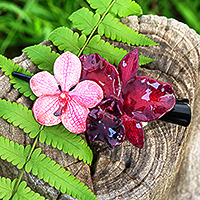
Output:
x=128 y=100
x=180 y=114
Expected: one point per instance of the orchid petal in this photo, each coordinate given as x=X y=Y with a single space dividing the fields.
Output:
x=67 y=70
x=74 y=117
x=43 y=83
x=44 y=109
x=128 y=67
x=106 y=127
x=134 y=131
x=97 y=69
x=87 y=93
x=146 y=99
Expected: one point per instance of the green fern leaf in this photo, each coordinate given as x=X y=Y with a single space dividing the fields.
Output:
x=26 y=193
x=110 y=53
x=59 y=137
x=8 y=67
x=19 y=115
x=123 y=8
x=67 y=40
x=13 y=152
x=42 y=56
x=100 y=5
x=6 y=188
x=111 y=27
x=85 y=20
x=105 y=49
x=56 y=176
x=144 y=60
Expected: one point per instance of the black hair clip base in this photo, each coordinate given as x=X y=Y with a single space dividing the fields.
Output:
x=180 y=114
x=21 y=76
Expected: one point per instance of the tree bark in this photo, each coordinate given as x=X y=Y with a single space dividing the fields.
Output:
x=127 y=172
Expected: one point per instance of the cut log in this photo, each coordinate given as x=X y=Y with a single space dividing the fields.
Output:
x=127 y=172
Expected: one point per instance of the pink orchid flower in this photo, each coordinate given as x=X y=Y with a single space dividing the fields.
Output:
x=71 y=107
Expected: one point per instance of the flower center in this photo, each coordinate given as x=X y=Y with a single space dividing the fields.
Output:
x=63 y=99
x=64 y=96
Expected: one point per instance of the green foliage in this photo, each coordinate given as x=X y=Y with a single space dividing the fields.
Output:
x=100 y=6
x=42 y=56
x=8 y=67
x=85 y=20
x=88 y=22
x=13 y=152
x=123 y=8
x=43 y=167
x=24 y=23
x=36 y=19
x=24 y=192
x=66 y=39
x=14 y=8
x=109 y=52
x=19 y=115
x=6 y=188
x=105 y=49
x=59 y=137
x=115 y=30
x=144 y=60
x=189 y=11
x=47 y=169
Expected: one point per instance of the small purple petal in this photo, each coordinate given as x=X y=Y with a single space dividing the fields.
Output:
x=104 y=124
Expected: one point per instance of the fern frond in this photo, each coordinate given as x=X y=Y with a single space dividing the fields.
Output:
x=42 y=56
x=84 y=20
x=100 y=5
x=6 y=188
x=110 y=53
x=67 y=40
x=59 y=137
x=8 y=67
x=111 y=27
x=56 y=176
x=105 y=49
x=13 y=152
x=123 y=8
x=24 y=192
x=19 y=115
x=144 y=60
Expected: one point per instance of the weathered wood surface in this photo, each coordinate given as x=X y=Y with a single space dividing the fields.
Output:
x=127 y=172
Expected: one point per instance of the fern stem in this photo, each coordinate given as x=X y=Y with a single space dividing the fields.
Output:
x=28 y=158
x=95 y=28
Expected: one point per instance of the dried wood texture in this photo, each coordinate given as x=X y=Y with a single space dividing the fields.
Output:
x=127 y=172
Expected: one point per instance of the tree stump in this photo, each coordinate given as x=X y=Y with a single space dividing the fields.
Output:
x=127 y=172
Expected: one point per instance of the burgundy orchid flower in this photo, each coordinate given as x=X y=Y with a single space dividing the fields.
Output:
x=128 y=100
x=71 y=107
